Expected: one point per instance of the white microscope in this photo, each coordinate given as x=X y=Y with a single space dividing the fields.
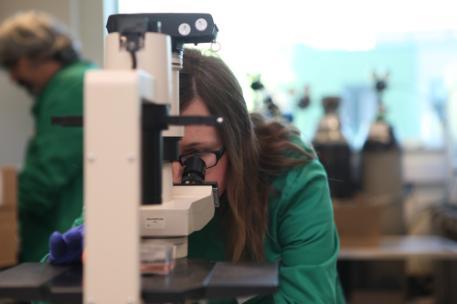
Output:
x=128 y=149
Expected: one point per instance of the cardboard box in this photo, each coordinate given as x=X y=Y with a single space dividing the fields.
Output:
x=358 y=223
x=362 y=221
x=8 y=217
x=377 y=297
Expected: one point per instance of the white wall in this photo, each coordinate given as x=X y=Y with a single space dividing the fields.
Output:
x=86 y=20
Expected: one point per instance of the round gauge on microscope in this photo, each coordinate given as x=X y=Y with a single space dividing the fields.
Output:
x=201 y=24
x=184 y=29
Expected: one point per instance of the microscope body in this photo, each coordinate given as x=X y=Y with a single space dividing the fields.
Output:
x=119 y=208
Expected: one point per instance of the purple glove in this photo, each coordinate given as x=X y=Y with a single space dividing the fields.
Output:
x=66 y=248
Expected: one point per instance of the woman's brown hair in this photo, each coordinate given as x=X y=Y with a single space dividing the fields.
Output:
x=255 y=150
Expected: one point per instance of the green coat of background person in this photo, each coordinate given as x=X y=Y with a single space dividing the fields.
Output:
x=39 y=55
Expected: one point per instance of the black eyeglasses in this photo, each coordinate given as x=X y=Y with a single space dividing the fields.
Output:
x=209 y=157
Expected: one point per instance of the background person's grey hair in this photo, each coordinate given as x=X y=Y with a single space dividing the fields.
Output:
x=36 y=36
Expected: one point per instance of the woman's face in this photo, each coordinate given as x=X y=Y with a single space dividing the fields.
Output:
x=199 y=138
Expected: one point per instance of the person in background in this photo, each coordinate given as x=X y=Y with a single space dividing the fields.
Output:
x=275 y=203
x=39 y=55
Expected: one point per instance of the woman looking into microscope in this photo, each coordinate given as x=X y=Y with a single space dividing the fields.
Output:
x=275 y=201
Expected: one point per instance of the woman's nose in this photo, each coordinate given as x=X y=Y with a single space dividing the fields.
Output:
x=177 y=172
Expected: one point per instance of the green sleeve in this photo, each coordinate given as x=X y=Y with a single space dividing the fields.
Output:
x=79 y=221
x=54 y=154
x=305 y=233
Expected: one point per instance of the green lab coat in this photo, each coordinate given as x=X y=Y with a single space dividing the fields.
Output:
x=301 y=236
x=51 y=182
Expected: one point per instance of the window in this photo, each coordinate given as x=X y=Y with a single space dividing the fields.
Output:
x=334 y=47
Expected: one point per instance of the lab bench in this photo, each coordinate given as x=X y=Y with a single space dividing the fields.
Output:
x=379 y=273
x=190 y=280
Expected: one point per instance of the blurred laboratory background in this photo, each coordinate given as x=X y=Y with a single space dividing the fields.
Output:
x=372 y=85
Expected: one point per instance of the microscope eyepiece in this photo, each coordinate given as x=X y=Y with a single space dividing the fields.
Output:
x=194 y=171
